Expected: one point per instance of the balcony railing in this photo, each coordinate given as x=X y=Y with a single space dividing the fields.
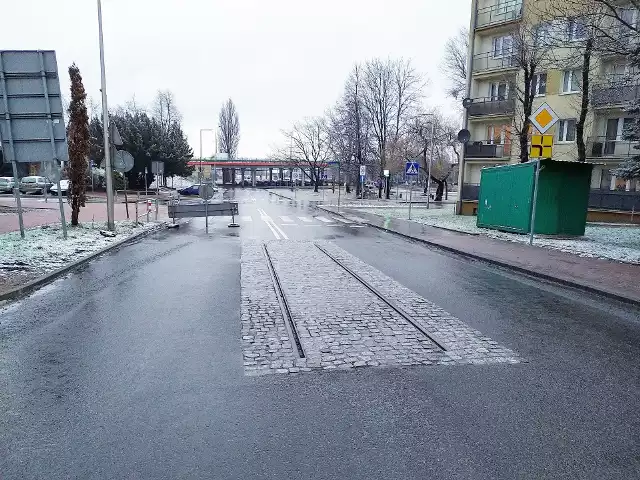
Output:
x=499 y=13
x=615 y=90
x=491 y=106
x=603 y=147
x=486 y=149
x=488 y=61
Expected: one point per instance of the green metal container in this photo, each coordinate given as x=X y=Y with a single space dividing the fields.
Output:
x=506 y=197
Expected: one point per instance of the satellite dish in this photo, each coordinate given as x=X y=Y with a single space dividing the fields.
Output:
x=464 y=136
x=466 y=102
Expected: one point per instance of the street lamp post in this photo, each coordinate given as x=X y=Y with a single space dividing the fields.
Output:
x=105 y=126
x=433 y=124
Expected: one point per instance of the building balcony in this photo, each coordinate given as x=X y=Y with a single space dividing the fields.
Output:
x=484 y=149
x=488 y=106
x=498 y=14
x=488 y=62
x=603 y=147
x=615 y=91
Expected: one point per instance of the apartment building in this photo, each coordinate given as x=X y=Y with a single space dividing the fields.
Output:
x=495 y=75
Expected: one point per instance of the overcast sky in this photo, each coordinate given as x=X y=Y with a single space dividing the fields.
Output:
x=279 y=60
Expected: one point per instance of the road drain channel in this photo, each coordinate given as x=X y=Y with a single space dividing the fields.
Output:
x=389 y=302
x=284 y=304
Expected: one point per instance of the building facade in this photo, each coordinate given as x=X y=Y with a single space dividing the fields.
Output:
x=495 y=82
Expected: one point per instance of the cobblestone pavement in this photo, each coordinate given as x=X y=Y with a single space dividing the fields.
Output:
x=342 y=324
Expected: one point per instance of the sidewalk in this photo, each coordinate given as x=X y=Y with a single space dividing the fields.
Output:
x=37 y=212
x=399 y=196
x=613 y=279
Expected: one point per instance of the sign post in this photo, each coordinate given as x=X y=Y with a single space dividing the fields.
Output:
x=411 y=169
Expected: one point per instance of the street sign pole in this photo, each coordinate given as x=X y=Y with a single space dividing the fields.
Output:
x=339 y=187
x=410 y=197
x=535 y=201
x=105 y=124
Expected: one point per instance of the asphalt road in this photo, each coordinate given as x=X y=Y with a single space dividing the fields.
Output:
x=132 y=367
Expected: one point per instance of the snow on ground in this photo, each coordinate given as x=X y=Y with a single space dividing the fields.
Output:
x=620 y=243
x=44 y=250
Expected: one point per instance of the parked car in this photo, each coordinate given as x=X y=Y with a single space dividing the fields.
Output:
x=34 y=184
x=193 y=189
x=6 y=184
x=64 y=187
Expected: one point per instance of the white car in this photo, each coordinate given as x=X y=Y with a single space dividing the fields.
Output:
x=64 y=187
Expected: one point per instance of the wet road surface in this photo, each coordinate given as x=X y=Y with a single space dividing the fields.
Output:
x=135 y=366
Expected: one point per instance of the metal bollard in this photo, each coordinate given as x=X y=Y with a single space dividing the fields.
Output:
x=148 y=204
x=137 y=201
x=156 y=209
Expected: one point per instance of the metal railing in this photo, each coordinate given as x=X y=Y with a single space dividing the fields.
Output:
x=615 y=90
x=499 y=13
x=486 y=149
x=470 y=191
x=614 y=200
x=491 y=106
x=603 y=147
x=483 y=62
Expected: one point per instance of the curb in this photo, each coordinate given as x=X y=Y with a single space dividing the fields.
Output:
x=29 y=287
x=516 y=268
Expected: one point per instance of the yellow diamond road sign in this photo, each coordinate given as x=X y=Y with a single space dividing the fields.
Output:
x=543 y=118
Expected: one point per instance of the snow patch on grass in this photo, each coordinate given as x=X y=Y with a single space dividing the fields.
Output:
x=44 y=248
x=620 y=243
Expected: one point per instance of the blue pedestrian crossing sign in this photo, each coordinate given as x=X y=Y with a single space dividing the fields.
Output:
x=412 y=169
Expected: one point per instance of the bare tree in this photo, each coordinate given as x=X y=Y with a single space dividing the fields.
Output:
x=445 y=147
x=163 y=109
x=391 y=91
x=349 y=129
x=454 y=63
x=529 y=52
x=308 y=147
x=229 y=126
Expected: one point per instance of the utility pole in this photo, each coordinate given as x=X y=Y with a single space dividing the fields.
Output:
x=105 y=125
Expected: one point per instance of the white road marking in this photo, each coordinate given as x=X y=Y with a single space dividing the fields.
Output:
x=284 y=235
x=324 y=219
x=267 y=219
x=305 y=219
x=286 y=219
x=246 y=218
x=275 y=234
x=343 y=220
x=356 y=226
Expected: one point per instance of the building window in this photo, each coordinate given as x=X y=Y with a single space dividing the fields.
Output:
x=539 y=84
x=567 y=130
x=542 y=34
x=571 y=81
x=576 y=29
x=501 y=46
x=498 y=91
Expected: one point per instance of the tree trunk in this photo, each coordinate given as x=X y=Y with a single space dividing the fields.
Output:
x=440 y=189
x=584 y=107
x=527 y=107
